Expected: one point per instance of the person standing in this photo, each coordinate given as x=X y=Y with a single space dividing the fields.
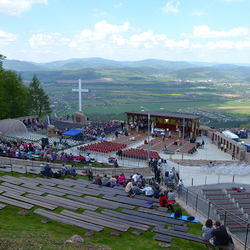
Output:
x=233 y=155
x=90 y=173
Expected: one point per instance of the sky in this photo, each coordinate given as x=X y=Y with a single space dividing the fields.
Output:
x=126 y=30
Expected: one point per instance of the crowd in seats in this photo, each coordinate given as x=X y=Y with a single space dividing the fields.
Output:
x=105 y=147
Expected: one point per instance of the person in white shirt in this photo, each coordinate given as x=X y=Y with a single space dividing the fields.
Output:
x=87 y=158
x=136 y=177
x=148 y=191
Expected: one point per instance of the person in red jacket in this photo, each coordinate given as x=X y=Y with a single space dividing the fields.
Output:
x=164 y=202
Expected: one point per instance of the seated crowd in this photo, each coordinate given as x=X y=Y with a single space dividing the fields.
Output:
x=136 y=185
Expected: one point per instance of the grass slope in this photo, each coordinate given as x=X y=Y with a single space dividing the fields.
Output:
x=28 y=232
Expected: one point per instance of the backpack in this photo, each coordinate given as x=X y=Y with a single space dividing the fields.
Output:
x=190 y=218
x=178 y=213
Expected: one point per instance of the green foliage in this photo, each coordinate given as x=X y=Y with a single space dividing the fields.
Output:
x=38 y=100
x=13 y=95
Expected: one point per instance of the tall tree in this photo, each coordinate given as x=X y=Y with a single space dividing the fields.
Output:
x=38 y=100
x=13 y=94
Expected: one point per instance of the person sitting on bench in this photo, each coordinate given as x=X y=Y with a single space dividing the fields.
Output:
x=164 y=202
x=220 y=235
x=72 y=171
x=128 y=188
x=105 y=181
x=122 y=179
x=149 y=192
x=48 y=171
x=98 y=180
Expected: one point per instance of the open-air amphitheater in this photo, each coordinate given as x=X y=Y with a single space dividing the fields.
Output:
x=208 y=191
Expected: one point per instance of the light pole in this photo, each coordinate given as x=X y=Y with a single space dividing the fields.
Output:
x=145 y=109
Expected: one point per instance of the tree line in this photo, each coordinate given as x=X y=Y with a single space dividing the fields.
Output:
x=17 y=100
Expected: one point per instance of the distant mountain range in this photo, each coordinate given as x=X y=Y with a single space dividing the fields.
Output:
x=95 y=62
x=91 y=68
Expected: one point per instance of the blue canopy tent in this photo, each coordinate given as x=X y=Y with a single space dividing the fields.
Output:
x=73 y=132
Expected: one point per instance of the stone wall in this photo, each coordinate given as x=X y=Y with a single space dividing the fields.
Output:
x=240 y=150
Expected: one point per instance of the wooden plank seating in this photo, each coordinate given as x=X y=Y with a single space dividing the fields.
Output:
x=223 y=203
x=230 y=220
x=132 y=218
x=83 y=190
x=142 y=197
x=65 y=204
x=124 y=222
x=153 y=211
x=187 y=236
x=2 y=206
x=163 y=238
x=74 y=203
x=15 y=203
x=62 y=191
x=245 y=208
x=7 y=189
x=19 y=188
x=96 y=220
x=230 y=189
x=231 y=208
x=237 y=226
x=67 y=190
x=241 y=197
x=31 y=201
x=66 y=220
x=181 y=235
x=108 y=190
x=38 y=180
x=163 y=209
x=214 y=194
x=44 y=189
x=13 y=180
x=242 y=202
x=127 y=200
x=109 y=202
x=98 y=202
x=180 y=228
x=219 y=198
x=211 y=190
x=153 y=217
x=238 y=193
x=222 y=214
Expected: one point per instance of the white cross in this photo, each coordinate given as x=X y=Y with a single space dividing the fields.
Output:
x=80 y=90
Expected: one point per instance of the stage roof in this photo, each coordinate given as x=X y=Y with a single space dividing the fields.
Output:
x=162 y=114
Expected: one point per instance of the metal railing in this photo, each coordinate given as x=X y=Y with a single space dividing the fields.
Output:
x=238 y=226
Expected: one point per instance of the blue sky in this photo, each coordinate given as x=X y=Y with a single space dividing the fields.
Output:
x=175 y=30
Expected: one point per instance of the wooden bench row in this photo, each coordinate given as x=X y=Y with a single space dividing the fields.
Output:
x=68 y=220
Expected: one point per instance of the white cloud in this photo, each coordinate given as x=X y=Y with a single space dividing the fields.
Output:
x=102 y=31
x=7 y=38
x=106 y=28
x=48 y=40
x=239 y=45
x=16 y=7
x=98 y=13
x=198 y=13
x=118 y=5
x=169 y=7
x=204 y=31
